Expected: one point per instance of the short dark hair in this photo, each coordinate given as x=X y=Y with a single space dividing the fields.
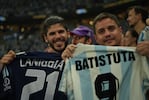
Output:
x=104 y=15
x=51 y=20
x=140 y=10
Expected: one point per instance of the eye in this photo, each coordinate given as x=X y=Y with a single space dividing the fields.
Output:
x=111 y=28
x=51 y=33
x=101 y=31
x=61 y=31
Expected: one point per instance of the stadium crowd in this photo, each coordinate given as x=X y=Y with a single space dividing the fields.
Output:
x=107 y=32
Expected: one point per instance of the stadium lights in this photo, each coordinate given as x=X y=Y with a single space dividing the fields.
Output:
x=2 y=18
x=81 y=11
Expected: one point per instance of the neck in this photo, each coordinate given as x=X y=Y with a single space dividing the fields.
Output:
x=139 y=27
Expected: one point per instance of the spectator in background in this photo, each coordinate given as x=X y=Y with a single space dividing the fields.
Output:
x=80 y=34
x=130 y=38
x=137 y=16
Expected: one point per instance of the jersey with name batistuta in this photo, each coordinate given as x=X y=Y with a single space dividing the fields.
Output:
x=105 y=73
x=32 y=76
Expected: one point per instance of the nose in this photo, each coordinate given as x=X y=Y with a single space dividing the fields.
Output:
x=58 y=34
x=107 y=32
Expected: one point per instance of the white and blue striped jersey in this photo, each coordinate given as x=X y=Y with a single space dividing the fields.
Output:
x=144 y=35
x=32 y=76
x=105 y=73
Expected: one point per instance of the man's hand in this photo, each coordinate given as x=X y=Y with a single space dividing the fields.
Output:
x=68 y=52
x=7 y=58
x=143 y=48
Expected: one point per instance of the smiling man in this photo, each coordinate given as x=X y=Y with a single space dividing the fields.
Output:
x=55 y=34
x=107 y=30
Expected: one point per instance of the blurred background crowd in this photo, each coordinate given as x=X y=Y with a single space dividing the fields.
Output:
x=20 y=20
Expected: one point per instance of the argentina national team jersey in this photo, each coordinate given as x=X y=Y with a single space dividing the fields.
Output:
x=32 y=76
x=105 y=73
x=144 y=35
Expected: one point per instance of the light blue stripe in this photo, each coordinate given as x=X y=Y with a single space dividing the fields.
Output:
x=102 y=50
x=126 y=69
x=87 y=93
x=141 y=37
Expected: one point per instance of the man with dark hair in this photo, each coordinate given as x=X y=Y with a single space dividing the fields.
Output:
x=137 y=16
x=55 y=33
x=36 y=75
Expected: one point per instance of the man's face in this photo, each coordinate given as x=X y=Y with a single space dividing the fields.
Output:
x=108 y=32
x=80 y=39
x=132 y=18
x=57 y=37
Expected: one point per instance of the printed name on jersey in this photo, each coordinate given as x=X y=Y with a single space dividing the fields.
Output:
x=57 y=64
x=103 y=60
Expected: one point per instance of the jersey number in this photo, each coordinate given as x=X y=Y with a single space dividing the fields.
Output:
x=38 y=85
x=106 y=86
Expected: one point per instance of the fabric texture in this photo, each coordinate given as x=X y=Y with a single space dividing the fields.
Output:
x=105 y=73
x=144 y=35
x=32 y=76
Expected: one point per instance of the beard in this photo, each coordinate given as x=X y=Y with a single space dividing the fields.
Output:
x=55 y=49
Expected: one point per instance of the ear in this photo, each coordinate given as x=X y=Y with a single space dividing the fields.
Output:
x=45 y=38
x=89 y=41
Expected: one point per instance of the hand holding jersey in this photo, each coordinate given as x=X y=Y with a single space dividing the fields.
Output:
x=7 y=58
x=143 y=48
x=68 y=52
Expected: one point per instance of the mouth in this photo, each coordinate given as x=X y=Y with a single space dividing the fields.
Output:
x=108 y=40
x=59 y=41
